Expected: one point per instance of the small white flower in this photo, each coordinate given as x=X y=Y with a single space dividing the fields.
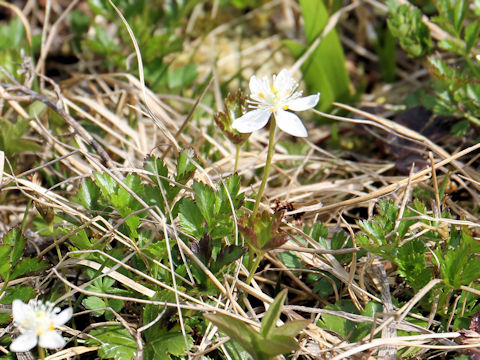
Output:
x=277 y=99
x=36 y=322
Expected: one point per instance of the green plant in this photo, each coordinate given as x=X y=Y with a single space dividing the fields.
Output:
x=271 y=340
x=325 y=69
x=455 y=83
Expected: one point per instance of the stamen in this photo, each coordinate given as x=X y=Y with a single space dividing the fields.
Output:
x=285 y=107
x=261 y=95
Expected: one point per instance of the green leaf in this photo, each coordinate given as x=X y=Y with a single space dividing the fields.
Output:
x=459 y=257
x=471 y=35
x=17 y=241
x=290 y=260
x=80 y=240
x=405 y=23
x=24 y=293
x=167 y=343
x=273 y=314
x=117 y=342
x=449 y=45
x=263 y=232
x=275 y=345
x=185 y=167
x=184 y=76
x=21 y=145
x=191 y=219
x=290 y=328
x=205 y=199
x=88 y=195
x=363 y=329
x=28 y=265
x=412 y=265
x=93 y=303
x=226 y=256
x=107 y=185
x=325 y=70
x=460 y=11
x=157 y=167
x=237 y=330
x=4 y=260
x=222 y=202
x=339 y=324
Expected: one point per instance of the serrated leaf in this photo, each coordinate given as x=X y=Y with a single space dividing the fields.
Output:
x=24 y=293
x=319 y=231
x=387 y=251
x=4 y=260
x=107 y=185
x=28 y=265
x=185 y=167
x=169 y=342
x=191 y=219
x=272 y=315
x=93 y=303
x=205 y=199
x=156 y=166
x=17 y=241
x=449 y=45
x=412 y=265
x=222 y=202
x=117 y=342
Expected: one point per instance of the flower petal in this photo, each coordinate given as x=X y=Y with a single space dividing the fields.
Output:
x=258 y=86
x=21 y=311
x=290 y=123
x=252 y=121
x=303 y=103
x=51 y=340
x=24 y=342
x=63 y=317
x=284 y=82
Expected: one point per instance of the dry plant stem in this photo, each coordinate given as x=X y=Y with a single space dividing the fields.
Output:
x=32 y=95
x=266 y=171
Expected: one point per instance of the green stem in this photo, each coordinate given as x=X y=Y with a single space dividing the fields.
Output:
x=254 y=267
x=237 y=156
x=41 y=352
x=266 y=171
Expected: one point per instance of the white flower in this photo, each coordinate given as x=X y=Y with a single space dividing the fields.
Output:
x=36 y=322
x=277 y=99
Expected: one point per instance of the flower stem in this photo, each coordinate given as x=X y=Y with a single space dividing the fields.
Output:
x=266 y=170
x=237 y=155
x=41 y=352
x=254 y=267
